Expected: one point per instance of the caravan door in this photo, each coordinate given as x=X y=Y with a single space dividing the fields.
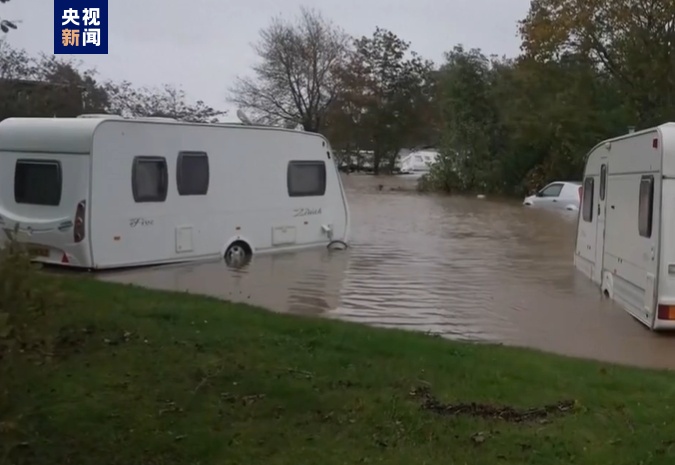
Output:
x=600 y=215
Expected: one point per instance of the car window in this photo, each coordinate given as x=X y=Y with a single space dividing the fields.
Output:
x=552 y=190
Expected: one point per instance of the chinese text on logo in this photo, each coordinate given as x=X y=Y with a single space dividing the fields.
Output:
x=81 y=27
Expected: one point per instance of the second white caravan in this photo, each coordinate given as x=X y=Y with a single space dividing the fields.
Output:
x=626 y=229
x=106 y=192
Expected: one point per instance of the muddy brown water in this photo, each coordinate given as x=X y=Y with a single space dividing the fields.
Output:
x=461 y=267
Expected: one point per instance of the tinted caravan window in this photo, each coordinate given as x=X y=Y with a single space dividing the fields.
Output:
x=37 y=182
x=192 y=173
x=306 y=178
x=646 y=207
x=587 y=207
x=149 y=179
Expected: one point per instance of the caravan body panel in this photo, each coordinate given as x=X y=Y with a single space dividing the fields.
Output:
x=625 y=213
x=160 y=191
x=44 y=175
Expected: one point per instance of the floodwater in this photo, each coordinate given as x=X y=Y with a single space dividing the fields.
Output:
x=463 y=268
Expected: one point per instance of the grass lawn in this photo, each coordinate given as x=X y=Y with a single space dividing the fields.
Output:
x=145 y=377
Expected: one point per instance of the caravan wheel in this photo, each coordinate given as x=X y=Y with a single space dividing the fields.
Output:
x=238 y=254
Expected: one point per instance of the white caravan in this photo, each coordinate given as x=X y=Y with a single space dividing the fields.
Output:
x=418 y=162
x=106 y=192
x=626 y=231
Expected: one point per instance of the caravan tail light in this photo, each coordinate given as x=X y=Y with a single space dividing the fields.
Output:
x=79 y=230
x=666 y=312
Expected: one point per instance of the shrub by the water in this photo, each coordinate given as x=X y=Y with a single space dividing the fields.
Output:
x=25 y=298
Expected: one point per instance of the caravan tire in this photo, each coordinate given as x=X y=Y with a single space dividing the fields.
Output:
x=238 y=254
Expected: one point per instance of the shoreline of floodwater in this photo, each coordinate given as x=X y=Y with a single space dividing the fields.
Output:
x=177 y=378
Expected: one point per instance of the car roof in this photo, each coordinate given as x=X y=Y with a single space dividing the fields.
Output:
x=572 y=183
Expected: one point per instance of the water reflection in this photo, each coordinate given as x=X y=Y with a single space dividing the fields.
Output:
x=462 y=267
x=310 y=284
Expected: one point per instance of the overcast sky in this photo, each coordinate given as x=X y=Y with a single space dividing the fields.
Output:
x=202 y=45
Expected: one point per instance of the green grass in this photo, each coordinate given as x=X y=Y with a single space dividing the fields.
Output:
x=199 y=381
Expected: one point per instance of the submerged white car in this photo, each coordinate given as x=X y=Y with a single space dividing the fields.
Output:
x=557 y=195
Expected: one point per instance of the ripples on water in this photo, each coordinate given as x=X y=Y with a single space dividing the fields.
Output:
x=465 y=268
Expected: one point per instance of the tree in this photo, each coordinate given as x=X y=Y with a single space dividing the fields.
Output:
x=553 y=114
x=472 y=130
x=631 y=40
x=79 y=93
x=51 y=86
x=387 y=92
x=513 y=125
x=167 y=101
x=46 y=86
x=295 y=82
x=15 y=65
x=345 y=118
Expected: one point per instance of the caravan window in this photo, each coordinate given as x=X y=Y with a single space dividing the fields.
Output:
x=306 y=178
x=37 y=182
x=646 y=207
x=603 y=181
x=587 y=207
x=192 y=173
x=149 y=179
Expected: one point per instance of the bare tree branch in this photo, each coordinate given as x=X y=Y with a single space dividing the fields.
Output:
x=167 y=101
x=296 y=80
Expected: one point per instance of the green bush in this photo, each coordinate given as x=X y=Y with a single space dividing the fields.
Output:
x=443 y=176
x=25 y=297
